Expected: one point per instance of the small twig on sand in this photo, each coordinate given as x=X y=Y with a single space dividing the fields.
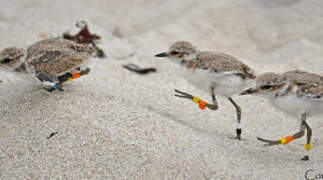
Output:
x=51 y=135
x=135 y=68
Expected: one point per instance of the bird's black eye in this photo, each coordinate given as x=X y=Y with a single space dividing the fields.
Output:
x=175 y=53
x=266 y=87
x=6 y=60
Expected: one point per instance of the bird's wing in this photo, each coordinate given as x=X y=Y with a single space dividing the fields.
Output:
x=60 y=65
x=55 y=55
x=303 y=78
x=59 y=45
x=313 y=92
x=220 y=62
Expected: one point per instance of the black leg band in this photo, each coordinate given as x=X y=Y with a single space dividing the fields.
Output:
x=239 y=131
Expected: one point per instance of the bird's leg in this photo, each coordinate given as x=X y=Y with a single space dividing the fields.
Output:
x=48 y=86
x=214 y=101
x=297 y=135
x=238 y=111
x=62 y=79
x=84 y=71
x=48 y=82
x=284 y=140
x=308 y=142
x=69 y=76
x=59 y=86
x=202 y=104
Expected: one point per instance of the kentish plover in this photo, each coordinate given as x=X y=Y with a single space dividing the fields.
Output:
x=53 y=61
x=214 y=72
x=297 y=93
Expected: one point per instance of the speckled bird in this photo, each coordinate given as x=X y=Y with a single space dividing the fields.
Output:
x=214 y=72
x=52 y=60
x=297 y=93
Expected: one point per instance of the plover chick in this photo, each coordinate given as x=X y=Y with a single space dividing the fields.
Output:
x=53 y=61
x=214 y=72
x=297 y=93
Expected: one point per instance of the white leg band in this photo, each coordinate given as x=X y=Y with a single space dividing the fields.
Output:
x=238 y=126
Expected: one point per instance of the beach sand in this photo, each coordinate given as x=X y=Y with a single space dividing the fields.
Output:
x=114 y=124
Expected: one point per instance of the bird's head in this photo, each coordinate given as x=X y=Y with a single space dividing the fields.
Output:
x=267 y=84
x=180 y=51
x=10 y=58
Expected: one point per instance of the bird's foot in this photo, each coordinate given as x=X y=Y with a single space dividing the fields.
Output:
x=269 y=142
x=238 y=131
x=202 y=104
x=84 y=71
x=182 y=94
x=59 y=86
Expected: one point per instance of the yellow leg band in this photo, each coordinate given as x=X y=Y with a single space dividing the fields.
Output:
x=196 y=100
x=283 y=141
x=307 y=147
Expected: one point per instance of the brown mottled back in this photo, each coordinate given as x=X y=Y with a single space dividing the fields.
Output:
x=308 y=83
x=316 y=90
x=303 y=78
x=55 y=55
x=220 y=62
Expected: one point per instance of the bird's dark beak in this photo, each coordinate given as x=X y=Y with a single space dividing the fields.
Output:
x=164 y=54
x=249 y=91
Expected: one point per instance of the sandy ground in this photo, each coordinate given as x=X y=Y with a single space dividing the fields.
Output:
x=113 y=124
